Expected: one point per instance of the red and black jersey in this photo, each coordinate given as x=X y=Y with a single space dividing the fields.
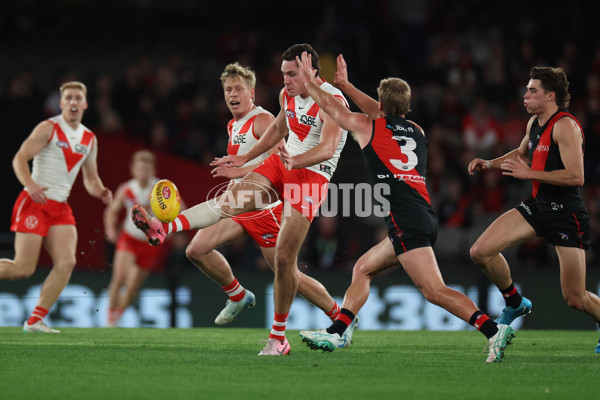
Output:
x=545 y=156
x=397 y=155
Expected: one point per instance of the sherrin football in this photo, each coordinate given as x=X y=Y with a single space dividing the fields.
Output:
x=165 y=200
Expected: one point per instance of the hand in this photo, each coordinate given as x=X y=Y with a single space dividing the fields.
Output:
x=286 y=157
x=478 y=164
x=36 y=192
x=106 y=196
x=226 y=171
x=230 y=161
x=340 y=79
x=307 y=73
x=517 y=168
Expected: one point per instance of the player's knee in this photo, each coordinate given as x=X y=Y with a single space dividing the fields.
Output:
x=478 y=255
x=284 y=260
x=432 y=295
x=194 y=252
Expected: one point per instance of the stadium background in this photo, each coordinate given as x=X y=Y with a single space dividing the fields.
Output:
x=152 y=69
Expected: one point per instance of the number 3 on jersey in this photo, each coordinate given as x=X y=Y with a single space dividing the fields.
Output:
x=407 y=150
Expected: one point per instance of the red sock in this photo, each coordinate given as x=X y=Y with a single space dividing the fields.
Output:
x=234 y=290
x=334 y=312
x=278 y=329
x=114 y=314
x=179 y=224
x=38 y=314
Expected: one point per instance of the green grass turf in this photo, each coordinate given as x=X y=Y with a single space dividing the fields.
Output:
x=222 y=363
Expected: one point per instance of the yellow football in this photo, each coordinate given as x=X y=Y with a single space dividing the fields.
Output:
x=165 y=200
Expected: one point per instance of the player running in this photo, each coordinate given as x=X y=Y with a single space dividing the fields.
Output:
x=299 y=176
x=133 y=259
x=395 y=153
x=551 y=156
x=60 y=147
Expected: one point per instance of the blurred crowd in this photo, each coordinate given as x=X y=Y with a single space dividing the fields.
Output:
x=467 y=67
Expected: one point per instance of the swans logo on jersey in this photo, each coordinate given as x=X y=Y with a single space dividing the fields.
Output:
x=166 y=192
x=62 y=144
x=308 y=120
x=290 y=114
x=80 y=148
x=31 y=222
x=239 y=139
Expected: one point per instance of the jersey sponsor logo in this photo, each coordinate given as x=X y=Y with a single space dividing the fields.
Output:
x=563 y=236
x=81 y=149
x=526 y=208
x=542 y=147
x=31 y=222
x=62 y=144
x=325 y=168
x=397 y=127
x=308 y=120
x=239 y=139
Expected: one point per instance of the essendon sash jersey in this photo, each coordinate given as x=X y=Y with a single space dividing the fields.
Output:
x=545 y=156
x=397 y=156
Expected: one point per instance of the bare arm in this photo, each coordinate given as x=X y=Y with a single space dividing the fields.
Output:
x=35 y=142
x=569 y=139
x=367 y=104
x=359 y=124
x=111 y=215
x=479 y=164
x=91 y=180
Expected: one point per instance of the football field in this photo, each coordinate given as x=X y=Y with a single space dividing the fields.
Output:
x=222 y=363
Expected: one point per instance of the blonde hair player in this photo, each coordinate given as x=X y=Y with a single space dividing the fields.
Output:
x=395 y=153
x=60 y=147
x=299 y=176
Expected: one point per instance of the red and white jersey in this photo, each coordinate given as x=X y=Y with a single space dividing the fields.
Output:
x=136 y=194
x=242 y=137
x=56 y=166
x=305 y=125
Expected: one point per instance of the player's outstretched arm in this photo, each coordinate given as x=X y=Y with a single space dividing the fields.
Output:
x=357 y=123
x=479 y=164
x=367 y=104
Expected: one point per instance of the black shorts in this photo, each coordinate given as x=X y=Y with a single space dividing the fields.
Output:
x=565 y=228
x=412 y=230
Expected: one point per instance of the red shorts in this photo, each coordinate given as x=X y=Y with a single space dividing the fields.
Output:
x=262 y=225
x=304 y=189
x=146 y=256
x=31 y=217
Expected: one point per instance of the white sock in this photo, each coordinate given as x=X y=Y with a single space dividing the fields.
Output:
x=204 y=214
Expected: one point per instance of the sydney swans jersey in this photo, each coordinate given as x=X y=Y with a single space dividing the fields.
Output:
x=242 y=137
x=305 y=125
x=545 y=156
x=56 y=166
x=397 y=156
x=135 y=194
